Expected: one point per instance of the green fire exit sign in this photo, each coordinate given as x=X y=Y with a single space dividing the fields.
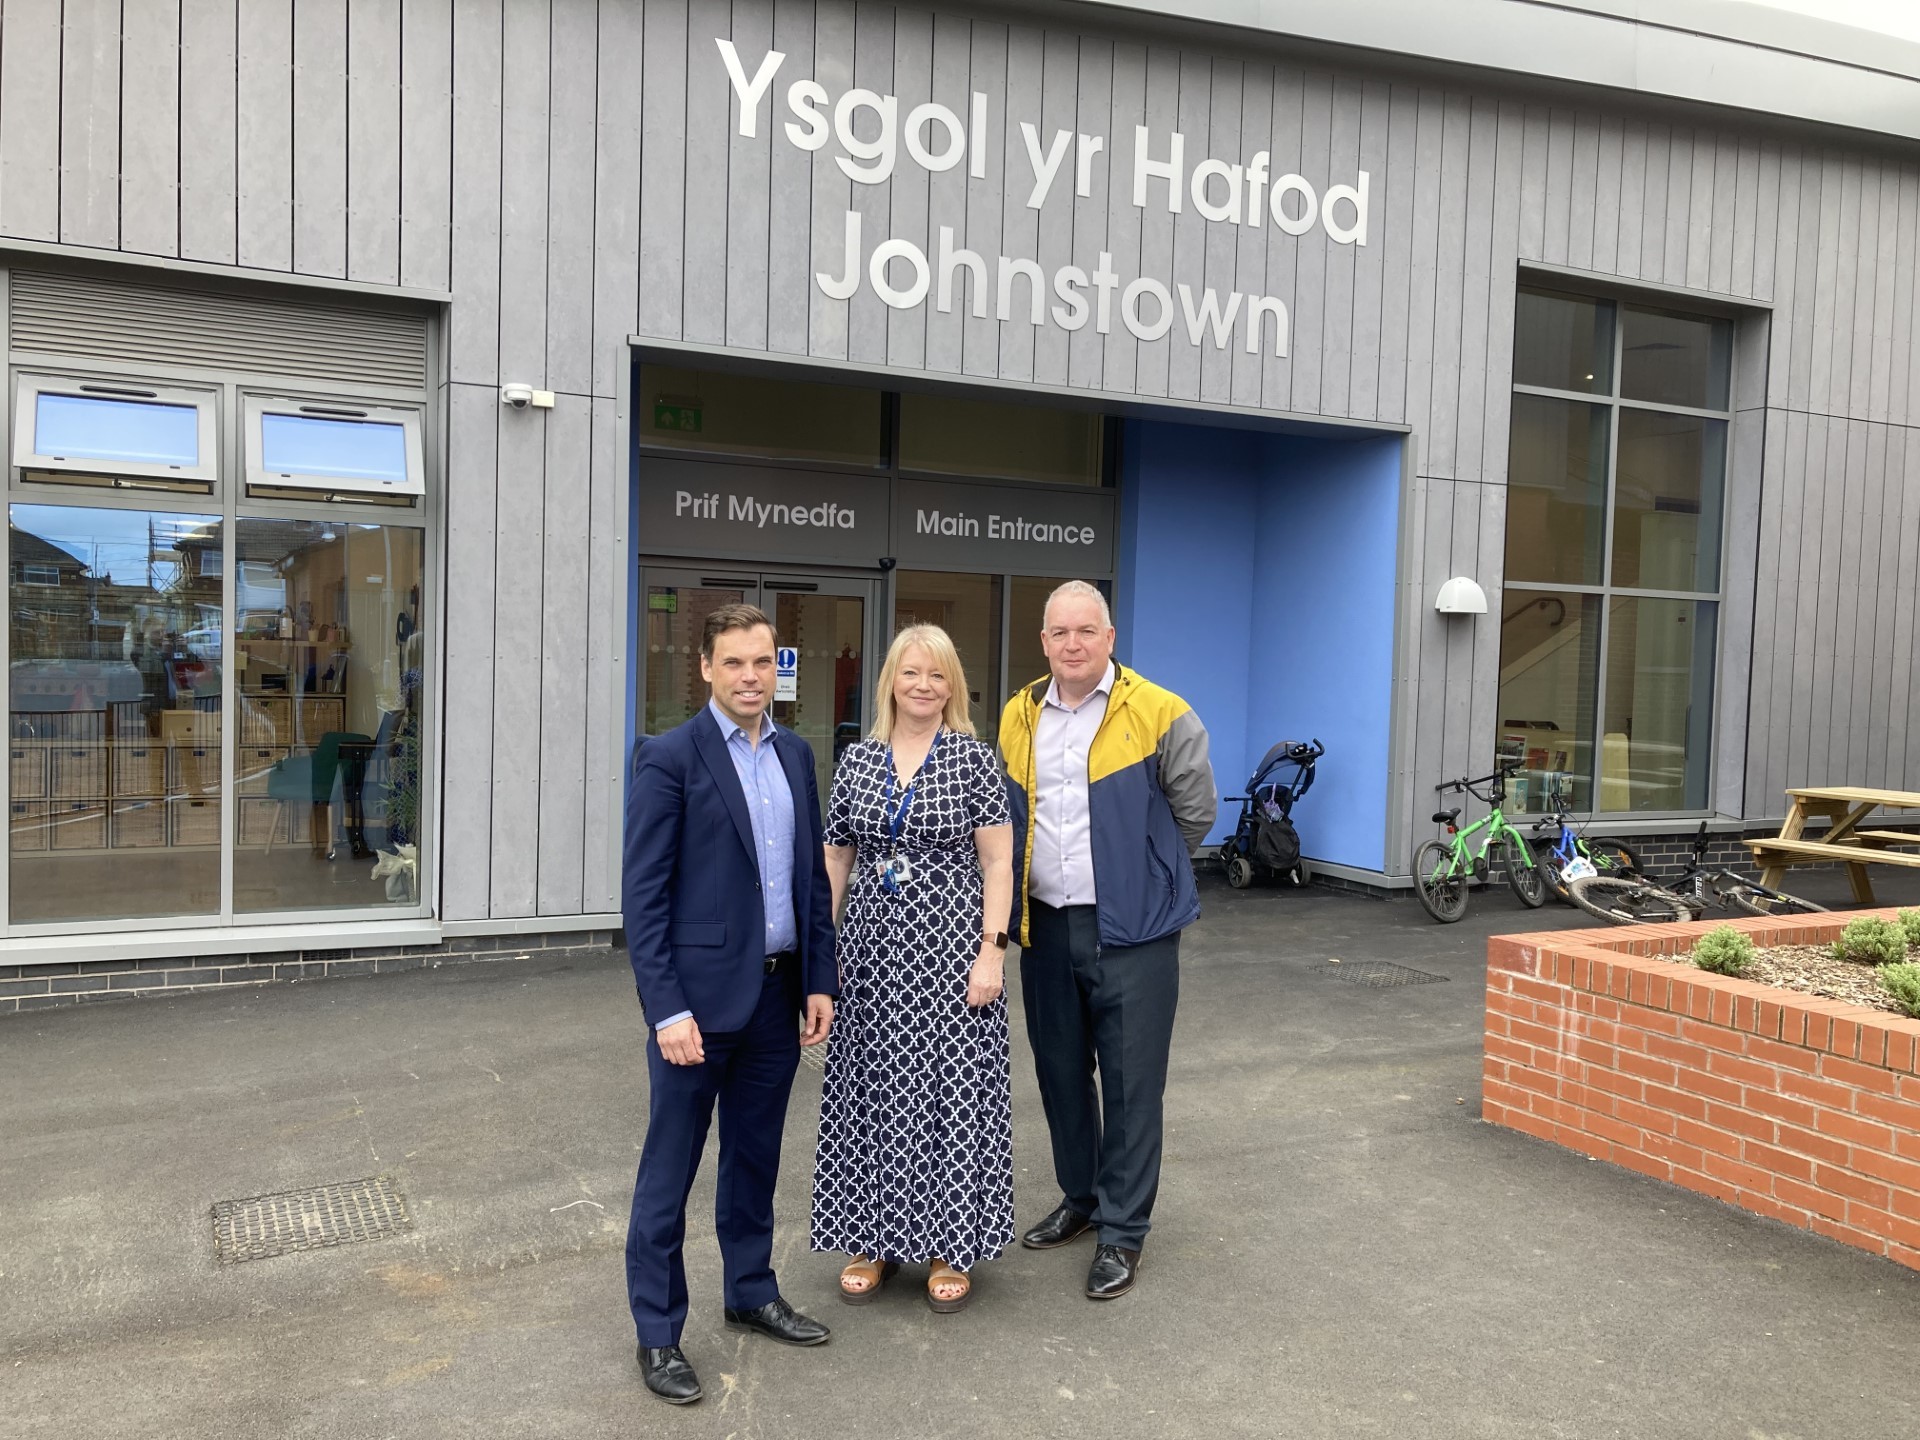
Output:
x=685 y=418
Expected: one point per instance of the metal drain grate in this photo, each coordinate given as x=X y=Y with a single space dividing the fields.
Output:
x=338 y=1214
x=1376 y=973
x=815 y=1056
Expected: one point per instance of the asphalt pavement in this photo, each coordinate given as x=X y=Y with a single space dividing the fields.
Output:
x=1341 y=1247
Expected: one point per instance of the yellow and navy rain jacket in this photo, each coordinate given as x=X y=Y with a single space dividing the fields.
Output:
x=1150 y=798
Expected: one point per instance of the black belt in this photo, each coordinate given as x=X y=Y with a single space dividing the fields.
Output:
x=785 y=957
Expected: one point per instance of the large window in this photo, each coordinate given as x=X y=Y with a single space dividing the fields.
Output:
x=1615 y=508
x=327 y=659
x=114 y=737
x=216 y=702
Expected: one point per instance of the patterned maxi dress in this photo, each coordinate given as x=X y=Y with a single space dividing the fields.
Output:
x=915 y=1157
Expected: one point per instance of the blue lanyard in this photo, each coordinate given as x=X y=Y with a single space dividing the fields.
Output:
x=896 y=822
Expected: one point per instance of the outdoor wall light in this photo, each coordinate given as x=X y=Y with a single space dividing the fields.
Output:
x=1461 y=596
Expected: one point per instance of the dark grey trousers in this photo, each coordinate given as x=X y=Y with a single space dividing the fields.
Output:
x=1110 y=1009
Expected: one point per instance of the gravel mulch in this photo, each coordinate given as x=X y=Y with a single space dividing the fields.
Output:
x=1813 y=970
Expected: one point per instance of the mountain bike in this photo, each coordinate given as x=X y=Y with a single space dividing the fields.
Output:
x=1703 y=886
x=1570 y=856
x=1628 y=900
x=1442 y=871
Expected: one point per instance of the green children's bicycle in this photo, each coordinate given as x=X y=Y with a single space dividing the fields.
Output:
x=1442 y=870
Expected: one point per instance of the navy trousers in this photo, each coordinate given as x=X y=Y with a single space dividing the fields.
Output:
x=748 y=1073
x=1110 y=1007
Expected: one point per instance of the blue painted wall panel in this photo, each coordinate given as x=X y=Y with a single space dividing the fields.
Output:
x=1257 y=580
x=1182 y=604
x=1321 y=650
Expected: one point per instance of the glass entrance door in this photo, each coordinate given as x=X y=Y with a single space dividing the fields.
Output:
x=825 y=619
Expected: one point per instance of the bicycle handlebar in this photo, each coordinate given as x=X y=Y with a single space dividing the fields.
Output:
x=1467 y=784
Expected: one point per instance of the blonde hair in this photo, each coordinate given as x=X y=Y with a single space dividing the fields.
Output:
x=939 y=647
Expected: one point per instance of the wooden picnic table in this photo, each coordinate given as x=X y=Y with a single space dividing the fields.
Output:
x=1845 y=808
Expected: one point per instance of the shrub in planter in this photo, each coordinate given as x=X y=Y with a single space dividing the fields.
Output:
x=1903 y=983
x=1910 y=922
x=1723 y=950
x=1872 y=941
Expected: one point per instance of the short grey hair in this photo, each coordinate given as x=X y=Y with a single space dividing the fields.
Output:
x=1078 y=590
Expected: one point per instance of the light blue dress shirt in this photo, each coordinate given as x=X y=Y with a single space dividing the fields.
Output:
x=1062 y=870
x=763 y=784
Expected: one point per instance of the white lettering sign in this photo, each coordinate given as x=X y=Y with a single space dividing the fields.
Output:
x=870 y=132
x=1001 y=527
x=748 y=510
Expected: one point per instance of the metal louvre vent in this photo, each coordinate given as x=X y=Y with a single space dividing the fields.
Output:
x=103 y=318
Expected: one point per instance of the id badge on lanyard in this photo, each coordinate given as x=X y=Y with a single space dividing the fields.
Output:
x=895 y=870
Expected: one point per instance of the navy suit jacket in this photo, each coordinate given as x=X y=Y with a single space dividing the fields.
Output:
x=690 y=886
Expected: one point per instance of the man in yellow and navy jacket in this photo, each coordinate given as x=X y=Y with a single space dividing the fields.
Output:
x=1111 y=792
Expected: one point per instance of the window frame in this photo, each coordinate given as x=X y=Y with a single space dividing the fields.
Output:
x=225 y=395
x=29 y=384
x=1608 y=592
x=337 y=489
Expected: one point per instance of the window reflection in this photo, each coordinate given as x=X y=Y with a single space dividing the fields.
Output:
x=967 y=607
x=1562 y=342
x=1675 y=359
x=114 y=697
x=960 y=435
x=1556 y=491
x=754 y=415
x=1667 y=513
x=1659 y=704
x=327 y=658
x=1549 y=675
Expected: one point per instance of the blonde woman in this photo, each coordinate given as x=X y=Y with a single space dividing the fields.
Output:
x=915 y=1159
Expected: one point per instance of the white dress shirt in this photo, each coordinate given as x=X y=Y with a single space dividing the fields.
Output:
x=1062 y=871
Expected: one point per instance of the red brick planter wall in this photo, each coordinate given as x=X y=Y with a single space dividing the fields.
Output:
x=1801 y=1109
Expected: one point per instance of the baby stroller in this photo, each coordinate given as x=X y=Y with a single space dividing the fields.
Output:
x=1265 y=842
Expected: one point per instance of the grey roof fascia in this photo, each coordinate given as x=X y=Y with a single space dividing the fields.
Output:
x=1713 y=52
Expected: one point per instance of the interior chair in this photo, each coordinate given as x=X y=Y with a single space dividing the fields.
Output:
x=331 y=774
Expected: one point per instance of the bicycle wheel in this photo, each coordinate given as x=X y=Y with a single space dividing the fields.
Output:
x=1546 y=863
x=1698 y=892
x=1524 y=875
x=1620 y=901
x=1439 y=882
x=1612 y=857
x=1752 y=899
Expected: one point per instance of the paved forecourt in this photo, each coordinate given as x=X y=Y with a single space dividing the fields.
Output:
x=1341 y=1247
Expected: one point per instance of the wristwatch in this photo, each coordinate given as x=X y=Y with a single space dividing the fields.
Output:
x=998 y=939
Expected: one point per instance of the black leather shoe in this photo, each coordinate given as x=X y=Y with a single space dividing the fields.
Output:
x=1063 y=1225
x=1112 y=1272
x=778 y=1320
x=668 y=1374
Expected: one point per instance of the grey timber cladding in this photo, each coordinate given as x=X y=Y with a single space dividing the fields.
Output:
x=573 y=172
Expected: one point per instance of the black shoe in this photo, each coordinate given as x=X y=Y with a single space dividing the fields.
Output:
x=1112 y=1272
x=668 y=1374
x=1063 y=1225
x=778 y=1320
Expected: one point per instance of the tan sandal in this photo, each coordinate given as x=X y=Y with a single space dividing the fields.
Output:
x=874 y=1272
x=942 y=1273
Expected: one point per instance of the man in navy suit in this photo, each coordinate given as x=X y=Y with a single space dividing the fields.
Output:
x=729 y=921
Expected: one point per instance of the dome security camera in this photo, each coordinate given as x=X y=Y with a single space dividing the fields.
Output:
x=518 y=396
